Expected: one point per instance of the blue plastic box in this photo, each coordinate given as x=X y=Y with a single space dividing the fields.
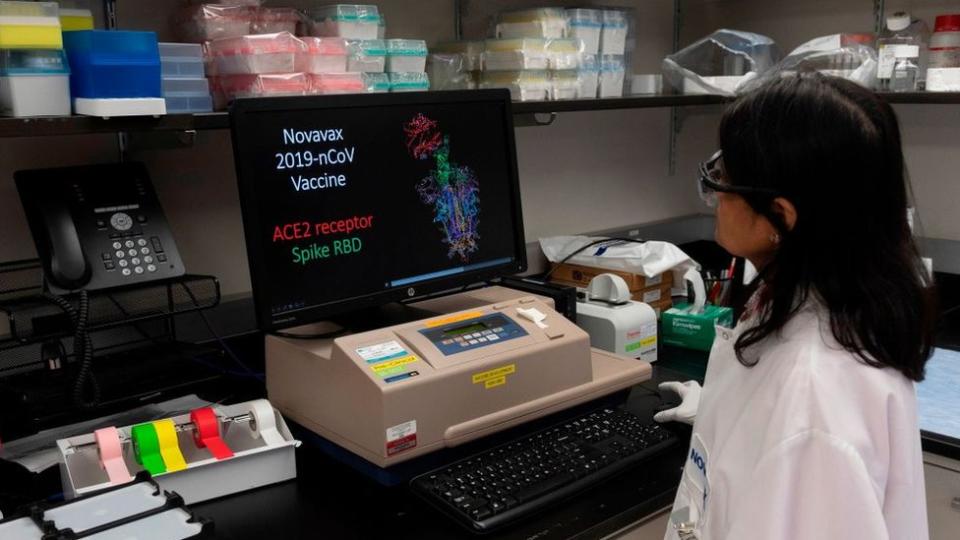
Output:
x=113 y=64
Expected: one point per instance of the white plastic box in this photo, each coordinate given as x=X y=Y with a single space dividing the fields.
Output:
x=612 y=72
x=366 y=56
x=322 y=55
x=564 y=85
x=208 y=22
x=181 y=60
x=472 y=52
x=587 y=25
x=406 y=55
x=564 y=54
x=232 y=87
x=589 y=77
x=257 y=54
x=34 y=83
x=268 y=20
x=613 y=37
x=549 y=23
x=447 y=72
x=523 y=85
x=349 y=83
x=351 y=21
x=515 y=55
x=187 y=95
x=415 y=81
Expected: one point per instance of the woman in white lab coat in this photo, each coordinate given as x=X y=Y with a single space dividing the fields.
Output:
x=806 y=427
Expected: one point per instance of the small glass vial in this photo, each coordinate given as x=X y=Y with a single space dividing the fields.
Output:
x=905 y=73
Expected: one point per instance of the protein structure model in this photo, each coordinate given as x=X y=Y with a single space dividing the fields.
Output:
x=452 y=190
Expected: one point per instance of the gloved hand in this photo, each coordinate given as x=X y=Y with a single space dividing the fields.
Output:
x=686 y=412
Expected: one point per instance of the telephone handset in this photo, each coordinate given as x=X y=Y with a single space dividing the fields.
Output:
x=98 y=227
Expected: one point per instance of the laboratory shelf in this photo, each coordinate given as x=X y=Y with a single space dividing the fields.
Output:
x=83 y=125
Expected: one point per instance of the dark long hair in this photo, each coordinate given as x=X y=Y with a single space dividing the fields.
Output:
x=832 y=148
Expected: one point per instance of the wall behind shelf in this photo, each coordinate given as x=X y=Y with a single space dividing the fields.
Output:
x=589 y=171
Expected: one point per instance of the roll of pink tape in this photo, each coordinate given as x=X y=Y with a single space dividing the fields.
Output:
x=111 y=455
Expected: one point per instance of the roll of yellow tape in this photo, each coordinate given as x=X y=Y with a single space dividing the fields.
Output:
x=169 y=445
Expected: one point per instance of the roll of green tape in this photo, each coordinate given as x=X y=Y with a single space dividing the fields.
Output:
x=146 y=448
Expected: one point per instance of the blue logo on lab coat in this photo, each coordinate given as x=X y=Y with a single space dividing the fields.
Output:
x=698 y=460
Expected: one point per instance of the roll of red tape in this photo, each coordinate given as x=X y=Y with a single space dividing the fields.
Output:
x=207 y=433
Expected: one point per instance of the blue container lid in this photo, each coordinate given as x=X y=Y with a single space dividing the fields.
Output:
x=112 y=46
x=33 y=62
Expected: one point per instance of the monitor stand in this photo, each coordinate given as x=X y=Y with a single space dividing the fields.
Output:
x=381 y=316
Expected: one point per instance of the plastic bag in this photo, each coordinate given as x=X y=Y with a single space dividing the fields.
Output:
x=840 y=55
x=721 y=63
x=648 y=258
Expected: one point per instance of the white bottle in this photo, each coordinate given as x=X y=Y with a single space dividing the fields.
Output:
x=903 y=44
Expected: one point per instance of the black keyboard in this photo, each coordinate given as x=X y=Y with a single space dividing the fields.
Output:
x=511 y=481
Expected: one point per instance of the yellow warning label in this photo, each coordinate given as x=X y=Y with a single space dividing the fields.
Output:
x=493 y=383
x=646 y=342
x=454 y=319
x=499 y=373
x=384 y=366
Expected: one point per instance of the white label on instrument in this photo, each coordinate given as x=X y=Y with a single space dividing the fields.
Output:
x=650 y=297
x=382 y=352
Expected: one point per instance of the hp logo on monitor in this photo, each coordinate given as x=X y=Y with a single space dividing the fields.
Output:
x=411 y=292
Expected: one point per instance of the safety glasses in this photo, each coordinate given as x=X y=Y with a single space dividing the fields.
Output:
x=710 y=182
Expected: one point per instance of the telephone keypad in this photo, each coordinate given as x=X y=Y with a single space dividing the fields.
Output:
x=135 y=254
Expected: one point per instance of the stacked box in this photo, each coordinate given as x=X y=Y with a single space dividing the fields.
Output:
x=185 y=89
x=34 y=72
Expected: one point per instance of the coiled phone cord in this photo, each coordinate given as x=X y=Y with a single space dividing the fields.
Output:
x=82 y=349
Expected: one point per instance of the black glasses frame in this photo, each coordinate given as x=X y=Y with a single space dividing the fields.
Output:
x=707 y=183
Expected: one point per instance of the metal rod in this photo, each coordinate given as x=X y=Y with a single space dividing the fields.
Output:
x=674 y=111
x=879 y=23
x=179 y=428
x=458 y=19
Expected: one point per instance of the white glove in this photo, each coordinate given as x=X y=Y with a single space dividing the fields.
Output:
x=686 y=412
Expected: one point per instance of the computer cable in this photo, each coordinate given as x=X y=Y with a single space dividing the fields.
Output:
x=546 y=277
x=248 y=372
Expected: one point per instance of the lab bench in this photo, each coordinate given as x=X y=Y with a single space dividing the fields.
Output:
x=331 y=500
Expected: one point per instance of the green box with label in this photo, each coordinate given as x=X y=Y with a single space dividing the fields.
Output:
x=683 y=328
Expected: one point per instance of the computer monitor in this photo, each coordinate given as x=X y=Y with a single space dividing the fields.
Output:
x=361 y=200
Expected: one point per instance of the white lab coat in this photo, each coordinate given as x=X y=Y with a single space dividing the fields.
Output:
x=809 y=444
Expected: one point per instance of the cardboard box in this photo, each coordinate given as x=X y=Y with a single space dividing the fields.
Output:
x=659 y=298
x=581 y=276
x=693 y=330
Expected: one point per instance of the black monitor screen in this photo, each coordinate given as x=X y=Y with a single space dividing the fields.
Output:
x=353 y=201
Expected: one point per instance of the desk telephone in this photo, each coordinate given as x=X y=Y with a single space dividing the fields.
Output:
x=97 y=227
